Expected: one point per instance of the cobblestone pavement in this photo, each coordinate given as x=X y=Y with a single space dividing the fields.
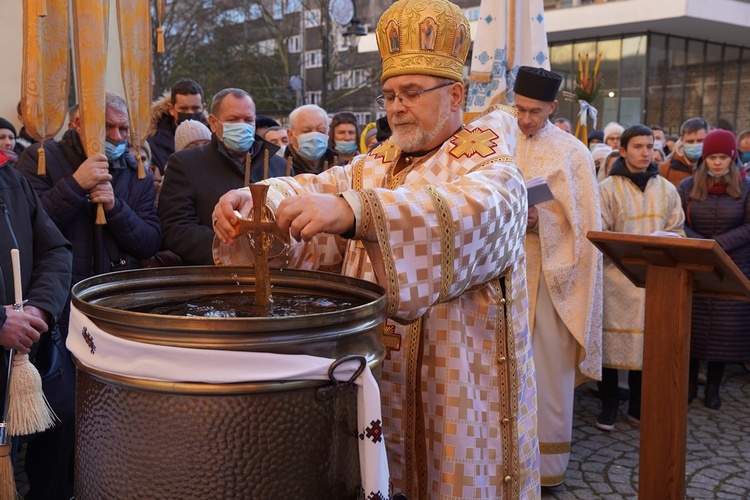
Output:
x=605 y=464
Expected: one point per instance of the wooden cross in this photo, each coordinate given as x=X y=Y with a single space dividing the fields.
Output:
x=262 y=235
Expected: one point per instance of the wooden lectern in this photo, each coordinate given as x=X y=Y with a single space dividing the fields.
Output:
x=670 y=269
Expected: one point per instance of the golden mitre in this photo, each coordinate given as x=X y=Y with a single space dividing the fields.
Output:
x=423 y=37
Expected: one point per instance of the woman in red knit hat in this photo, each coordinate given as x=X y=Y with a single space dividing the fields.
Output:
x=716 y=201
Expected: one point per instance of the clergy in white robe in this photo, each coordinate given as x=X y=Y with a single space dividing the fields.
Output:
x=436 y=215
x=634 y=199
x=563 y=269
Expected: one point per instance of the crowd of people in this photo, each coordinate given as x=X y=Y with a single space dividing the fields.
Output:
x=476 y=280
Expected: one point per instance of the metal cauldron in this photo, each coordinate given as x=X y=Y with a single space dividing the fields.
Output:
x=139 y=438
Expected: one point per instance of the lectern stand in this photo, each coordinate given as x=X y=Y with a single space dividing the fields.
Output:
x=670 y=269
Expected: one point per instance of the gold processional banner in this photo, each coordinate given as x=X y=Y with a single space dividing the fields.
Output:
x=46 y=70
x=134 y=23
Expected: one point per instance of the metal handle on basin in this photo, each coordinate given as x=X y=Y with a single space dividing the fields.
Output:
x=336 y=388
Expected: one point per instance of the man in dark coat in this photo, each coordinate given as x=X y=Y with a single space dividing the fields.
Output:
x=45 y=280
x=308 y=140
x=184 y=102
x=74 y=184
x=197 y=177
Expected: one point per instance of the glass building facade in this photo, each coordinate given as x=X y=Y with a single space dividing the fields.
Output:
x=658 y=79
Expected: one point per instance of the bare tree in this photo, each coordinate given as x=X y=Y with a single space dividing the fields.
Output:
x=246 y=44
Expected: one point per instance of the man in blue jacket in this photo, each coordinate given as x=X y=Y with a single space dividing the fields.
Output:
x=74 y=184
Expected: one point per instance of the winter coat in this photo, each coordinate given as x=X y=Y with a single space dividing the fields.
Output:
x=45 y=253
x=194 y=181
x=132 y=225
x=161 y=131
x=677 y=166
x=720 y=326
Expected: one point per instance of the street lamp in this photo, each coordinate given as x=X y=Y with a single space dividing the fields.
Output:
x=355 y=28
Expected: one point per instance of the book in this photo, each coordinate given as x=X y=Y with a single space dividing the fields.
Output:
x=538 y=191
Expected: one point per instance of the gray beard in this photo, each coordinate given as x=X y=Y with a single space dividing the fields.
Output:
x=418 y=140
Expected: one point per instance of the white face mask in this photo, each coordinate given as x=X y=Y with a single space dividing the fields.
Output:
x=281 y=150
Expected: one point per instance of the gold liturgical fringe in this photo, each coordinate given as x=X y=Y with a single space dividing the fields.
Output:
x=46 y=70
x=134 y=23
x=90 y=28
x=160 y=6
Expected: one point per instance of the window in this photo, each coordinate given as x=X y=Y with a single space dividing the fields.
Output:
x=363 y=118
x=312 y=18
x=267 y=47
x=293 y=6
x=277 y=9
x=256 y=12
x=231 y=16
x=313 y=59
x=350 y=79
x=313 y=97
x=294 y=43
x=341 y=44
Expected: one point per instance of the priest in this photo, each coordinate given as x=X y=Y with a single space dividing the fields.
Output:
x=436 y=215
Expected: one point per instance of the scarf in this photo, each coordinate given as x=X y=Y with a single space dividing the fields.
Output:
x=10 y=154
x=640 y=179
x=716 y=187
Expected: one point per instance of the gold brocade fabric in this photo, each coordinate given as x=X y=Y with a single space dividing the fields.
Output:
x=134 y=22
x=46 y=68
x=90 y=33
x=445 y=240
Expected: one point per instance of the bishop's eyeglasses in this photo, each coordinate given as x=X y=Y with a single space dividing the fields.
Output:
x=407 y=98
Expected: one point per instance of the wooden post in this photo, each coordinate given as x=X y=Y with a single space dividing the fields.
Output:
x=666 y=356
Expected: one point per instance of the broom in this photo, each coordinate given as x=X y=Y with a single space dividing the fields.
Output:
x=7 y=478
x=29 y=411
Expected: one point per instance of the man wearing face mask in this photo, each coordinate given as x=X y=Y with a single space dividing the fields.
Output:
x=74 y=184
x=183 y=102
x=197 y=177
x=687 y=151
x=308 y=140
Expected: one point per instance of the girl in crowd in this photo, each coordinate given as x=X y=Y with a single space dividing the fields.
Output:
x=716 y=201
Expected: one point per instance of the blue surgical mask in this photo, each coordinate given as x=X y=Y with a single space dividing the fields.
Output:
x=711 y=174
x=115 y=151
x=346 y=147
x=693 y=151
x=238 y=136
x=312 y=145
x=744 y=156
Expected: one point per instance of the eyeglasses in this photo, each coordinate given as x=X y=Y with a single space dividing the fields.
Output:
x=407 y=98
